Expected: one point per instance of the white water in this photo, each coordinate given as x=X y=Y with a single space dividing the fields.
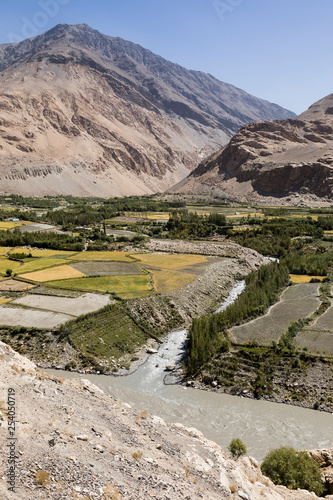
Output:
x=261 y=425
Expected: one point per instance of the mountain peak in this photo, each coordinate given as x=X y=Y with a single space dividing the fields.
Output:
x=108 y=115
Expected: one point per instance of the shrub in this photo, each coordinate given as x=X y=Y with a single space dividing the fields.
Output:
x=42 y=477
x=292 y=468
x=237 y=448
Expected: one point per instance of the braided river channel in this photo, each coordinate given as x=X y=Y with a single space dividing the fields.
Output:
x=261 y=425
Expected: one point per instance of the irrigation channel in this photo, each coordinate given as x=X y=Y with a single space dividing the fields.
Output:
x=261 y=425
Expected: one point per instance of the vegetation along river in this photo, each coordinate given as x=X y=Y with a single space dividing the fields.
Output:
x=261 y=425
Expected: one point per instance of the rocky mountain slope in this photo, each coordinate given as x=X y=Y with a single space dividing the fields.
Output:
x=71 y=440
x=82 y=113
x=289 y=161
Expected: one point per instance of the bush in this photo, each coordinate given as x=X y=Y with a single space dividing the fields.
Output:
x=294 y=469
x=237 y=448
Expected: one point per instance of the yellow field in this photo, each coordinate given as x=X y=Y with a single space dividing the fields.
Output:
x=125 y=286
x=159 y=216
x=37 y=264
x=328 y=232
x=167 y=261
x=166 y=280
x=37 y=252
x=303 y=278
x=8 y=264
x=4 y=225
x=3 y=301
x=111 y=256
x=54 y=273
x=4 y=250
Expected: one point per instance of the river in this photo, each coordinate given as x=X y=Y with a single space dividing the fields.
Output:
x=261 y=425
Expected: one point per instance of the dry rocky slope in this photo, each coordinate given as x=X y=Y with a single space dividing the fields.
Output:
x=82 y=113
x=94 y=446
x=286 y=161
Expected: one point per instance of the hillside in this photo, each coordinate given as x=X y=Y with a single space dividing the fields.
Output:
x=287 y=161
x=82 y=113
x=74 y=441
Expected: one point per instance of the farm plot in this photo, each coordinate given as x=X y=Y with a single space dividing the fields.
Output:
x=175 y=262
x=318 y=337
x=4 y=250
x=63 y=272
x=108 y=256
x=37 y=227
x=296 y=302
x=41 y=252
x=166 y=280
x=126 y=286
x=37 y=264
x=29 y=318
x=14 y=286
x=8 y=264
x=104 y=268
x=304 y=278
x=84 y=304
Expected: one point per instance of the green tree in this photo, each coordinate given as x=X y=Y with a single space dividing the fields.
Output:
x=237 y=448
x=294 y=469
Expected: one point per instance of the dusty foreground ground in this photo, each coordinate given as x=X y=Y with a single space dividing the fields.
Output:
x=72 y=441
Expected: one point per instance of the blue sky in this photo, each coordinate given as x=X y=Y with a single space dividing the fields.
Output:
x=279 y=50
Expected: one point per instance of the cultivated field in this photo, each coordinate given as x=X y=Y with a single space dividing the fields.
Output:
x=4 y=250
x=37 y=264
x=40 y=252
x=63 y=272
x=166 y=280
x=298 y=301
x=31 y=318
x=84 y=304
x=171 y=261
x=14 y=286
x=105 y=268
x=8 y=264
x=304 y=278
x=318 y=337
x=96 y=256
x=135 y=285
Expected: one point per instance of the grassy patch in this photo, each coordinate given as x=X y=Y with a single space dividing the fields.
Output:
x=122 y=285
x=167 y=280
x=63 y=272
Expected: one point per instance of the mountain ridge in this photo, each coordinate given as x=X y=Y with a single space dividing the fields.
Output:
x=131 y=122
x=287 y=160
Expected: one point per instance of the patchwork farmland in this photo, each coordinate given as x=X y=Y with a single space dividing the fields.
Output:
x=93 y=278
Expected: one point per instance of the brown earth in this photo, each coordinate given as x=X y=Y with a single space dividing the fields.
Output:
x=286 y=162
x=85 y=114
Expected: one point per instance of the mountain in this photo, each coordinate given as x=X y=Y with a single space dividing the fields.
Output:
x=82 y=113
x=287 y=160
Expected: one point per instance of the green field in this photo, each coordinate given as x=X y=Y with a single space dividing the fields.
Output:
x=136 y=285
x=107 y=333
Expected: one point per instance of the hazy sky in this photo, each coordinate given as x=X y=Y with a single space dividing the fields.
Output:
x=279 y=50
